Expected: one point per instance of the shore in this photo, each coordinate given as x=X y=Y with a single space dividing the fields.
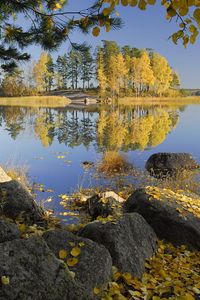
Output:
x=35 y=101
x=127 y=248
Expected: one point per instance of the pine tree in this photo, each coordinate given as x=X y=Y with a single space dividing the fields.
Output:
x=175 y=80
x=62 y=71
x=50 y=73
x=86 y=67
x=74 y=67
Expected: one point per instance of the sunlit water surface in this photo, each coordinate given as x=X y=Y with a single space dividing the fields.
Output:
x=53 y=143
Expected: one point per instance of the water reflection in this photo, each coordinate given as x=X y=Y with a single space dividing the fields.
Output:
x=136 y=128
x=38 y=137
x=109 y=128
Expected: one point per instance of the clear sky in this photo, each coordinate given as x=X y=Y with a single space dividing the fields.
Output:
x=145 y=29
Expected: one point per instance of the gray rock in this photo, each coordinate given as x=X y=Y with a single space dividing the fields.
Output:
x=169 y=164
x=97 y=206
x=8 y=231
x=165 y=217
x=34 y=273
x=94 y=265
x=17 y=202
x=130 y=241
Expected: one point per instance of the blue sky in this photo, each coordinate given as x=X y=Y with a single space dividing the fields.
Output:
x=144 y=29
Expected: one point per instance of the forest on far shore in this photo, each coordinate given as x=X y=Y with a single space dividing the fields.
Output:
x=113 y=70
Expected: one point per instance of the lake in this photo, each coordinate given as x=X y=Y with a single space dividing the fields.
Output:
x=53 y=142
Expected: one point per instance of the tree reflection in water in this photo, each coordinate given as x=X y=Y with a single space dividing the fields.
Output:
x=108 y=127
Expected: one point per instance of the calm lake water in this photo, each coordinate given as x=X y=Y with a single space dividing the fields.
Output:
x=54 y=142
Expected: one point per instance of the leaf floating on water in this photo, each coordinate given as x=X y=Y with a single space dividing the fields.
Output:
x=63 y=196
x=49 y=190
x=67 y=161
x=75 y=251
x=72 y=261
x=62 y=254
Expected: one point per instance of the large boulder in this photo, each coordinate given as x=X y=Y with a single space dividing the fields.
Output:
x=16 y=202
x=130 y=241
x=30 y=271
x=170 y=164
x=94 y=266
x=174 y=216
x=8 y=231
x=103 y=206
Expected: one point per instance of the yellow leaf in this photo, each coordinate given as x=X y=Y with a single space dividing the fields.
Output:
x=106 y=11
x=22 y=227
x=192 y=39
x=5 y=280
x=196 y=14
x=96 y=290
x=75 y=251
x=108 y=27
x=81 y=244
x=135 y=294
x=72 y=262
x=62 y=254
x=163 y=273
x=151 y=2
x=133 y=2
x=127 y=276
x=183 y=10
x=142 y=4
x=187 y=296
x=171 y=12
x=96 y=31
x=124 y=2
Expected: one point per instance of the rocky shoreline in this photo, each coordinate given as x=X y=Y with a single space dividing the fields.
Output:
x=43 y=260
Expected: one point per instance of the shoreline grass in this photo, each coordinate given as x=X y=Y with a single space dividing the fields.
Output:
x=35 y=101
x=113 y=162
x=159 y=100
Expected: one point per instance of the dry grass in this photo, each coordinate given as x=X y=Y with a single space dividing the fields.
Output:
x=35 y=101
x=113 y=162
x=159 y=100
x=19 y=173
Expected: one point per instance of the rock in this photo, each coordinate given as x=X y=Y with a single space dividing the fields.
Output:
x=34 y=273
x=112 y=194
x=167 y=213
x=104 y=207
x=169 y=164
x=130 y=241
x=8 y=231
x=94 y=265
x=3 y=176
x=17 y=202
